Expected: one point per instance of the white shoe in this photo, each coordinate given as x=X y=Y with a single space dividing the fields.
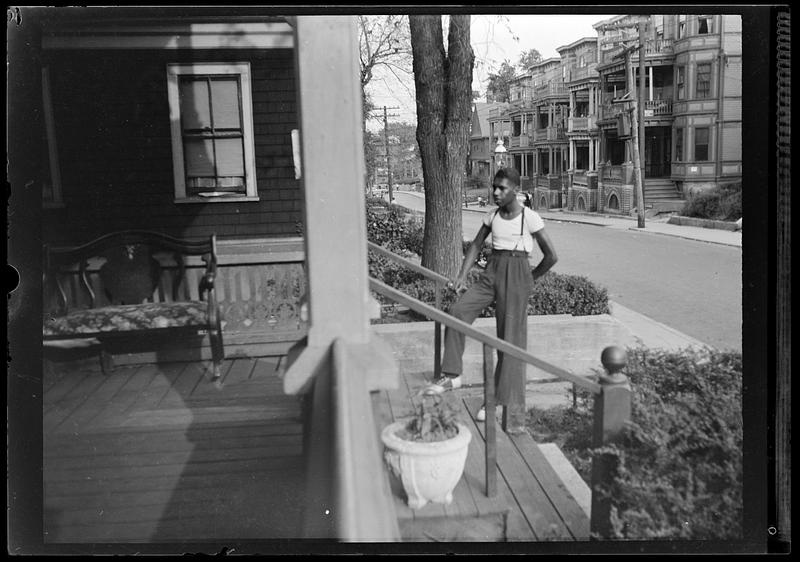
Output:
x=443 y=384
x=481 y=415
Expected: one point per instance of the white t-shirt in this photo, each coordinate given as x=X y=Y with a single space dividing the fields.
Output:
x=514 y=234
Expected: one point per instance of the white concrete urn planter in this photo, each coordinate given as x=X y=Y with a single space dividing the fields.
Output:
x=429 y=471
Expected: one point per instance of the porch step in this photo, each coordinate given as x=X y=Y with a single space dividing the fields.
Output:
x=486 y=528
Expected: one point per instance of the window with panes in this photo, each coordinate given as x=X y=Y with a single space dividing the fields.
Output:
x=679 y=144
x=703 y=81
x=212 y=130
x=680 y=83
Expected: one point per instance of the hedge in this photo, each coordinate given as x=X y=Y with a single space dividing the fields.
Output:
x=719 y=203
x=681 y=457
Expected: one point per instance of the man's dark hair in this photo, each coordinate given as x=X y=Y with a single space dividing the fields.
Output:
x=510 y=174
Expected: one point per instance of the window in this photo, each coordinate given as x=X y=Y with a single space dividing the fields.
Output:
x=680 y=83
x=701 y=144
x=681 y=27
x=703 y=81
x=704 y=25
x=679 y=144
x=212 y=131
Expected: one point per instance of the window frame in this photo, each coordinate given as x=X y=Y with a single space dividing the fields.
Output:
x=679 y=132
x=707 y=143
x=680 y=82
x=708 y=83
x=683 y=23
x=709 y=19
x=240 y=69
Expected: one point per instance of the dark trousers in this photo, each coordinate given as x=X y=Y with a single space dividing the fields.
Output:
x=507 y=282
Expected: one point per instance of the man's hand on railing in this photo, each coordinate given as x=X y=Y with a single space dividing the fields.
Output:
x=458 y=286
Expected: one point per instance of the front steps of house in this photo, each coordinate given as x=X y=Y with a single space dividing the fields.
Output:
x=662 y=196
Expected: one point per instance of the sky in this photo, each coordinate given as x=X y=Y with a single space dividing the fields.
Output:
x=494 y=38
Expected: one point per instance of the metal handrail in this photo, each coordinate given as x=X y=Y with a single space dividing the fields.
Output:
x=468 y=330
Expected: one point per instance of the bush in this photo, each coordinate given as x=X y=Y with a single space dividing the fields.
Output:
x=681 y=458
x=720 y=203
x=556 y=293
x=394 y=230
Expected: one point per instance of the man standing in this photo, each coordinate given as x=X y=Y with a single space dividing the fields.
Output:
x=507 y=281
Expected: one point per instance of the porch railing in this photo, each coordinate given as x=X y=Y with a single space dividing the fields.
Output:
x=519 y=141
x=612 y=400
x=657 y=107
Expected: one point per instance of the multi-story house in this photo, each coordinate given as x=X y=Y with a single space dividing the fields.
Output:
x=520 y=114
x=577 y=153
x=579 y=58
x=550 y=114
x=692 y=125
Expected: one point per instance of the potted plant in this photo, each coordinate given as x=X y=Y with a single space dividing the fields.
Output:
x=427 y=452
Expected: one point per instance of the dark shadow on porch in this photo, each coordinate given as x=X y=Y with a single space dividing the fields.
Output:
x=156 y=453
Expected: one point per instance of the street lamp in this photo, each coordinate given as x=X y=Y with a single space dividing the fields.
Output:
x=500 y=154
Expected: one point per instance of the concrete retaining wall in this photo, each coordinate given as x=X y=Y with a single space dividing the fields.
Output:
x=570 y=342
x=705 y=223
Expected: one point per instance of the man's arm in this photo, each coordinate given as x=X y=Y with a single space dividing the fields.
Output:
x=550 y=258
x=469 y=258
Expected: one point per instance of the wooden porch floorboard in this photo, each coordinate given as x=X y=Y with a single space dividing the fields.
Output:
x=531 y=504
x=158 y=453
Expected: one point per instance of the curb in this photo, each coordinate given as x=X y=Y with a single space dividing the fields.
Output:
x=686 y=236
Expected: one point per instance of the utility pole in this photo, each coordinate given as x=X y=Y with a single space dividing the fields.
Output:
x=388 y=160
x=386 y=146
x=634 y=112
x=642 y=150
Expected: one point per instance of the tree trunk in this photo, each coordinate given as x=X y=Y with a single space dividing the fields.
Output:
x=444 y=100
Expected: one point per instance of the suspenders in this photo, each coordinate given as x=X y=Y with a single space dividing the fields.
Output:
x=521 y=224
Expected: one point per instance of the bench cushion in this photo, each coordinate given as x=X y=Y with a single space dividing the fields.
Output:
x=124 y=318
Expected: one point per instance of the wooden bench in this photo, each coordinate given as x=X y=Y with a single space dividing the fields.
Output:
x=129 y=285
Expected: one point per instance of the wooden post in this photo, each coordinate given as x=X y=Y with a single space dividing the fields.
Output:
x=612 y=411
x=326 y=54
x=491 y=422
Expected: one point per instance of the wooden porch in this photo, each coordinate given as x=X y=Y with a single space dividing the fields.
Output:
x=532 y=503
x=157 y=453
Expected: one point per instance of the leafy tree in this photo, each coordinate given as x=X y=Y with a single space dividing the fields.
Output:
x=443 y=81
x=528 y=58
x=499 y=83
x=383 y=42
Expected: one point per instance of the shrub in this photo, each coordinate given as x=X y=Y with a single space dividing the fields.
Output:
x=720 y=203
x=680 y=462
x=556 y=293
x=394 y=230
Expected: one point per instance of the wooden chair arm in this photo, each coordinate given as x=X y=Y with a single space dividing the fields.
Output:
x=207 y=281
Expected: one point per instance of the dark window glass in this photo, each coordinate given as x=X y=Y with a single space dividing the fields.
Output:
x=701 y=144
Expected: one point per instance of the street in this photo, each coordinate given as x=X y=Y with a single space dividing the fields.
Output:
x=694 y=287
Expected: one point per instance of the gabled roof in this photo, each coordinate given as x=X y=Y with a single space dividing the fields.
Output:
x=541 y=65
x=480 y=114
x=577 y=43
